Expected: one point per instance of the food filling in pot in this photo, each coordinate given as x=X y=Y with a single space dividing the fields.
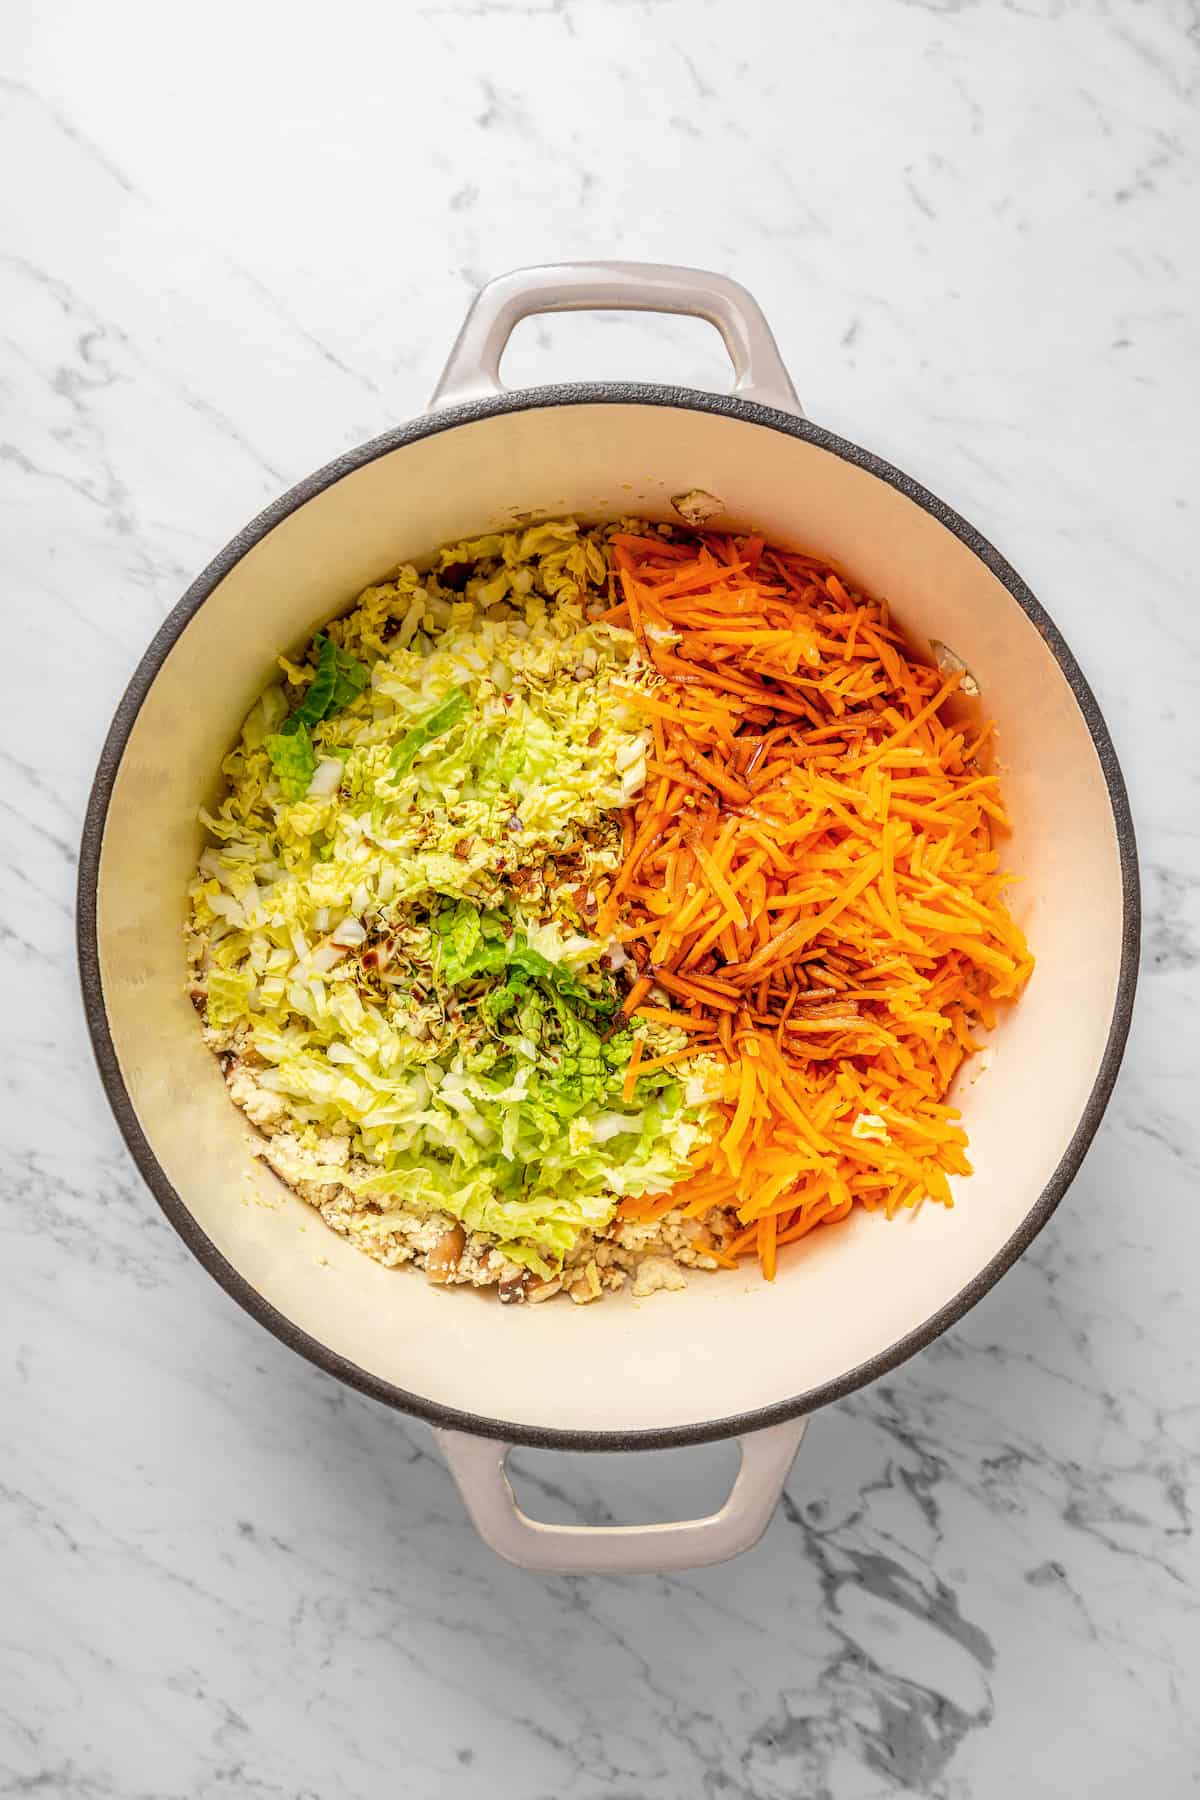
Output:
x=603 y=904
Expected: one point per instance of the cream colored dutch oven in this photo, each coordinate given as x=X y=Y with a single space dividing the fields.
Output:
x=733 y=1356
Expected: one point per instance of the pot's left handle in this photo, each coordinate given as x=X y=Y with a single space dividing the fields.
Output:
x=477 y=1465
x=472 y=370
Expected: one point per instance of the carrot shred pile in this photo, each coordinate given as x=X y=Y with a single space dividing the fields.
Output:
x=810 y=881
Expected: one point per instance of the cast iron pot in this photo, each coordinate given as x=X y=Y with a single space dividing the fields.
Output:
x=733 y=1356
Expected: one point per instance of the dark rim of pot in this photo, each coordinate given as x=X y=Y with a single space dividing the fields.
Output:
x=616 y=394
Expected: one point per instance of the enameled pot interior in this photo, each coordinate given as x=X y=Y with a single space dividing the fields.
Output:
x=731 y=1345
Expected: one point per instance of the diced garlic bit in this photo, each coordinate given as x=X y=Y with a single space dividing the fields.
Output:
x=696 y=506
x=869 y=1127
x=950 y=663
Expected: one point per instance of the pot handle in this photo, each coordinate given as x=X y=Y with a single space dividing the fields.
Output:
x=472 y=369
x=478 y=1467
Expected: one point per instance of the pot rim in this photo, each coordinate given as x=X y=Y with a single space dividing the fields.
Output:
x=96 y=1012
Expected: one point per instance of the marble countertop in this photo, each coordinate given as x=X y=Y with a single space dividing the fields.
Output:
x=239 y=238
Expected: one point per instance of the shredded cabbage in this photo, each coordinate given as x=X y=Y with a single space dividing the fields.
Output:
x=392 y=921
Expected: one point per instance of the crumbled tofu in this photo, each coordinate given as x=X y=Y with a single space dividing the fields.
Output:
x=631 y=1235
x=653 y=1254
x=656 y=1274
x=293 y=1164
x=259 y=1104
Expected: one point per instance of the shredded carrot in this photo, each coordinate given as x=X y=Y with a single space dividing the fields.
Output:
x=720 y=886
x=716 y=777
x=693 y=990
x=812 y=873
x=637 y=994
x=662 y=1015
x=664 y=1062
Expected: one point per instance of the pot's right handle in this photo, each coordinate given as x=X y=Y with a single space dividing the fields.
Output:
x=477 y=1465
x=473 y=368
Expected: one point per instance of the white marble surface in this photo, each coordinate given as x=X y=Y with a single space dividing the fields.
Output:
x=239 y=237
